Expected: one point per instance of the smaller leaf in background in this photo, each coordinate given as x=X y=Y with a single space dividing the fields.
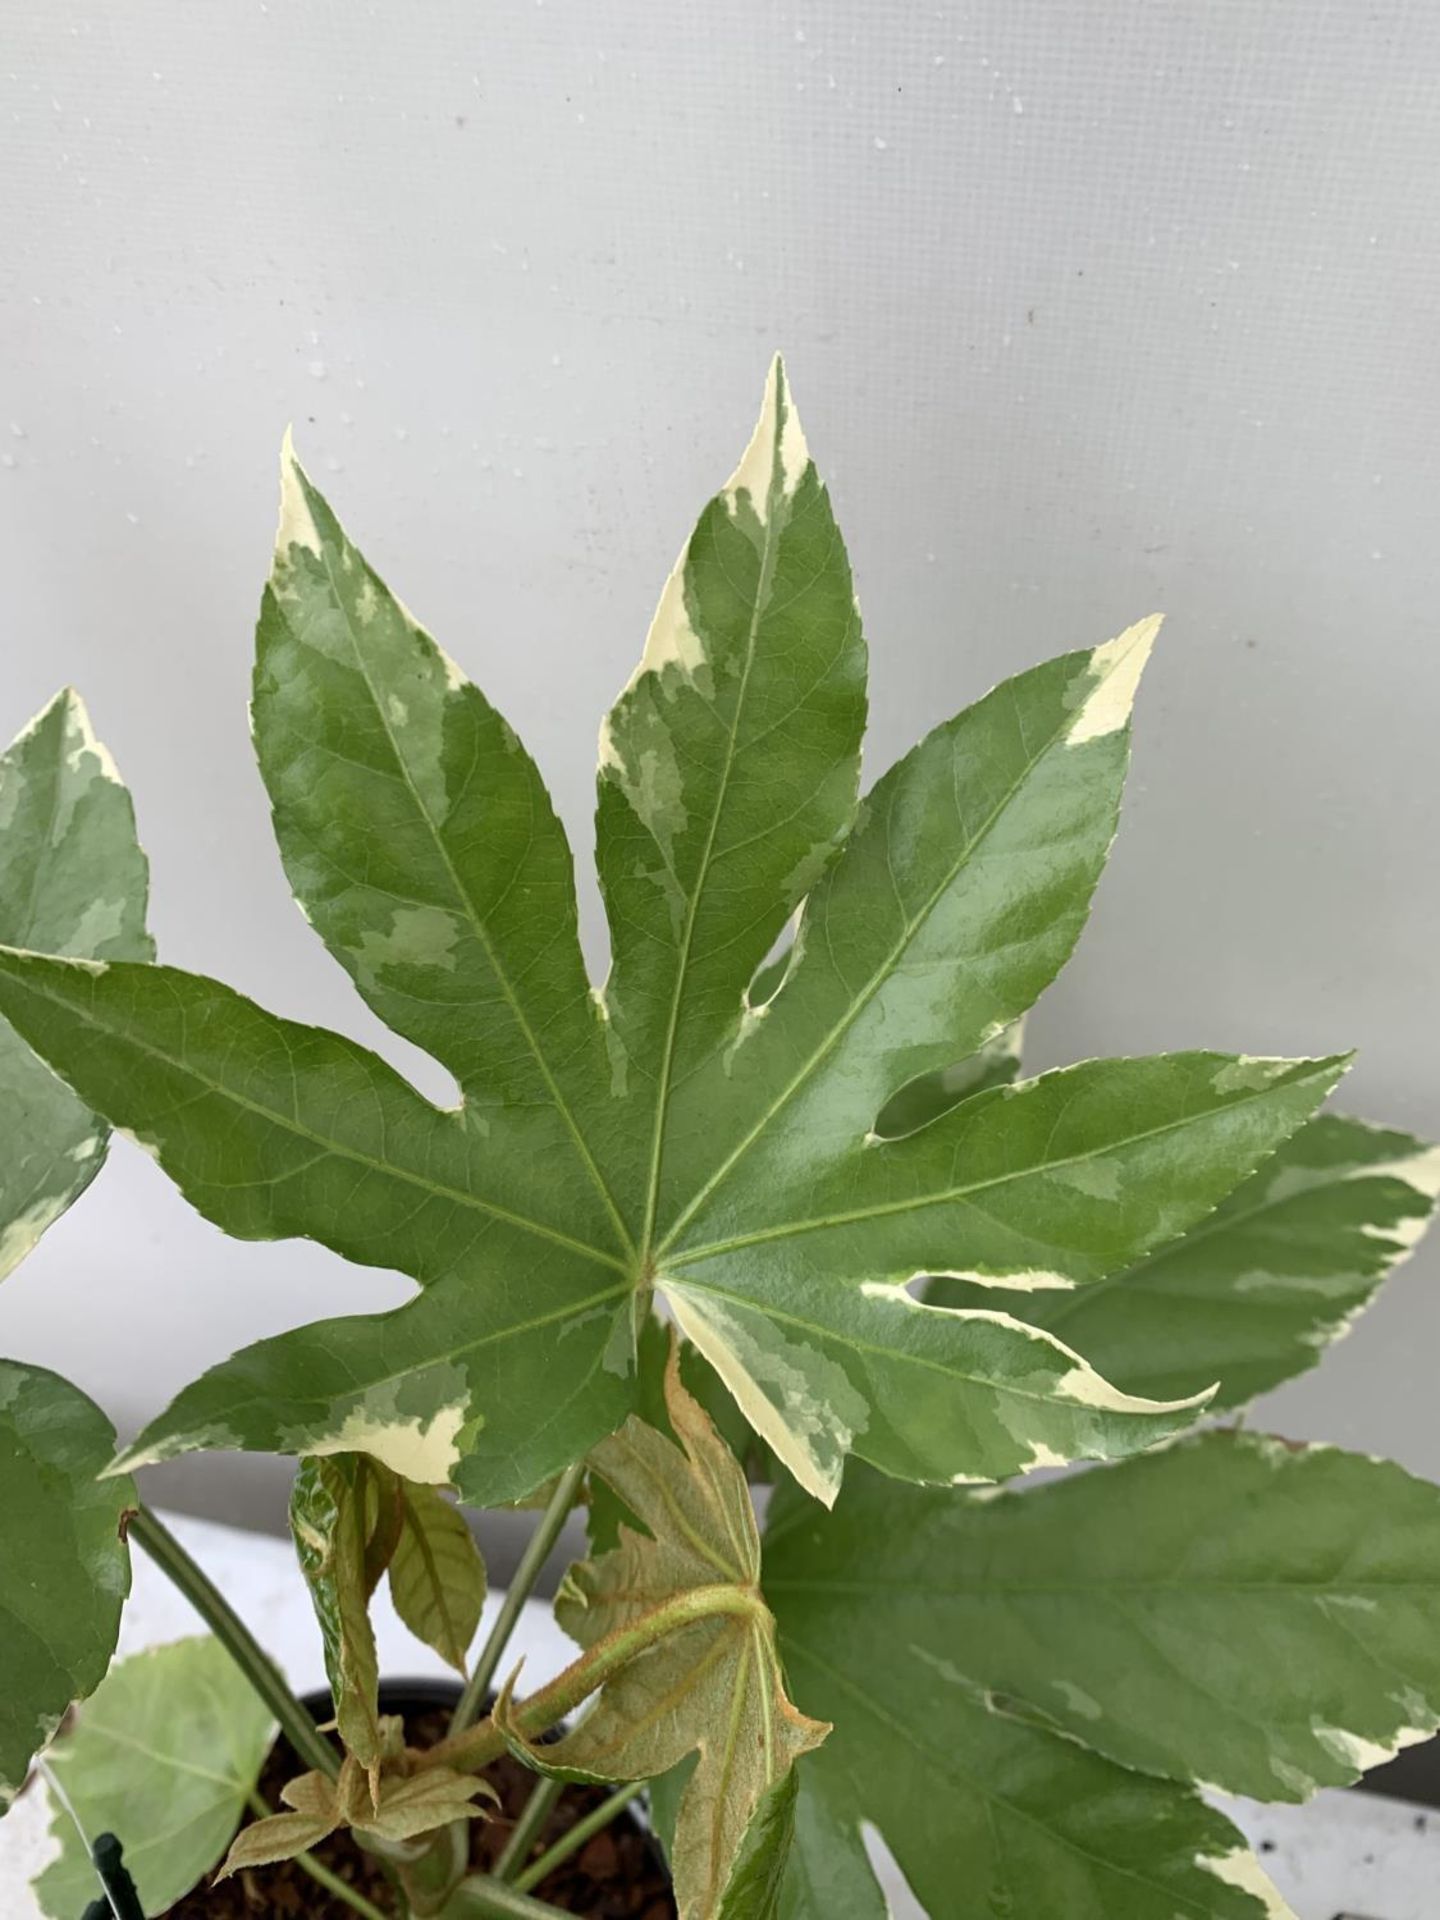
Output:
x=1254 y=1294
x=72 y=881
x=714 y=1686
x=332 y=1517
x=164 y=1756
x=437 y=1575
x=64 y=1570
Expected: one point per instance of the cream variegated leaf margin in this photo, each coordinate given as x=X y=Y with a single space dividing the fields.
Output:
x=72 y=880
x=670 y=1133
x=713 y=1687
x=1255 y=1293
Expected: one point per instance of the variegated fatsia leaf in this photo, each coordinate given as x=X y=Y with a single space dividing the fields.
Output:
x=165 y=1754
x=1232 y=1610
x=713 y=1686
x=64 y=1567
x=673 y=1133
x=1254 y=1294
x=73 y=881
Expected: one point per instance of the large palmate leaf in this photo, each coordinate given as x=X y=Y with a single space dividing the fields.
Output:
x=711 y=1685
x=165 y=1756
x=1231 y=1610
x=64 y=1569
x=72 y=880
x=1255 y=1293
x=672 y=1133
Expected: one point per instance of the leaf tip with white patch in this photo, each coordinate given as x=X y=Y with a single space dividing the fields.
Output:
x=1111 y=680
x=297 y=523
x=1240 y=1869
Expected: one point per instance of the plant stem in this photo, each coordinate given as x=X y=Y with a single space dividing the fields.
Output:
x=532 y=1562
x=528 y=1827
x=321 y=1874
x=476 y=1747
x=236 y=1638
x=483 y=1899
x=593 y=1821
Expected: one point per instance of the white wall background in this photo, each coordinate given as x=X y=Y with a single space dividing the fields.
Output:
x=1090 y=307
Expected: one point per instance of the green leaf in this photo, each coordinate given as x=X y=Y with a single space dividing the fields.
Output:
x=712 y=1686
x=986 y=1815
x=728 y=767
x=437 y=1577
x=164 y=1755
x=332 y=1512
x=1059 y=1178
x=65 y=1571
x=693 y=1130
x=1233 y=1610
x=985 y=1811
x=755 y=1887
x=74 y=881
x=1254 y=1294
x=828 y=1871
x=420 y=842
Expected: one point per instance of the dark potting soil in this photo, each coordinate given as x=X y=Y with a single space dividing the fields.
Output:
x=615 y=1875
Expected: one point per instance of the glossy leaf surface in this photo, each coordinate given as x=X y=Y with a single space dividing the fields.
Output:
x=164 y=1756
x=669 y=1133
x=1255 y=1293
x=64 y=1569
x=72 y=880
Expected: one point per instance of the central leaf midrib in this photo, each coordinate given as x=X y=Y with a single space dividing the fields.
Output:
x=915 y=1203
x=858 y=1005
x=472 y=915
x=329 y=1144
x=773 y=502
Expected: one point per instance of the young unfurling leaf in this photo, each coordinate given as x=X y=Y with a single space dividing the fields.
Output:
x=712 y=1687
x=401 y=1807
x=333 y=1518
